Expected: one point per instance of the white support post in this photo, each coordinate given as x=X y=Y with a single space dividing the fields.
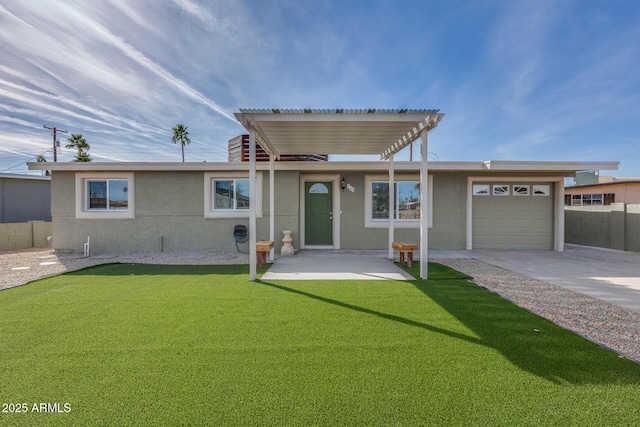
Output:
x=558 y=231
x=252 y=204
x=424 y=208
x=272 y=206
x=391 y=210
x=469 y=226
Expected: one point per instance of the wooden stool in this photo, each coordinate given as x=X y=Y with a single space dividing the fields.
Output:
x=403 y=248
x=262 y=248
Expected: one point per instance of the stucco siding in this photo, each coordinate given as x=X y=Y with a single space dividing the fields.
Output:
x=63 y=194
x=449 y=211
x=169 y=194
x=448 y=231
x=286 y=207
x=169 y=214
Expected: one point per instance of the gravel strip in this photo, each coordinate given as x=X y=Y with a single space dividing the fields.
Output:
x=606 y=324
x=599 y=321
x=21 y=267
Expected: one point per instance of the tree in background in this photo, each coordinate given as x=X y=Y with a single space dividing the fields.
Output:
x=43 y=159
x=77 y=142
x=180 y=134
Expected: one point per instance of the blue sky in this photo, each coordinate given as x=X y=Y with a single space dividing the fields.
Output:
x=517 y=80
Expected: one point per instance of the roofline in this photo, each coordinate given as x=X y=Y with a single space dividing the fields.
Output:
x=499 y=165
x=486 y=166
x=603 y=184
x=21 y=176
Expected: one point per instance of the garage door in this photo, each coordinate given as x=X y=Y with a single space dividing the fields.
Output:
x=512 y=216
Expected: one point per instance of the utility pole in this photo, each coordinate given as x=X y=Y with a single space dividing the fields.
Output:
x=55 y=140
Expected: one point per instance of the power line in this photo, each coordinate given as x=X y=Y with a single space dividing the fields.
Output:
x=25 y=162
x=55 y=140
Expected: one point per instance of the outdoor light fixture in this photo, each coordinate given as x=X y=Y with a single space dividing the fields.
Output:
x=345 y=186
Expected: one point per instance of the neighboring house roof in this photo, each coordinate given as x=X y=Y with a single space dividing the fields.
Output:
x=618 y=181
x=20 y=176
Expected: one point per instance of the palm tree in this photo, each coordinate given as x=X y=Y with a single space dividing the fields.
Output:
x=76 y=141
x=43 y=159
x=180 y=134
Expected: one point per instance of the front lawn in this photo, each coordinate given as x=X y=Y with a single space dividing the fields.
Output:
x=202 y=345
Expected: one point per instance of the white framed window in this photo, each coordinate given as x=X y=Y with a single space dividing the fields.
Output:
x=480 y=189
x=589 y=199
x=107 y=195
x=500 y=190
x=405 y=206
x=226 y=195
x=541 y=190
x=521 y=190
x=230 y=194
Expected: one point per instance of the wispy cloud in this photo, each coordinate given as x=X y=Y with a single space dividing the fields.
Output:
x=522 y=80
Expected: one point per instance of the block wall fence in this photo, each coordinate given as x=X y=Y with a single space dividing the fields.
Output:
x=24 y=235
x=614 y=227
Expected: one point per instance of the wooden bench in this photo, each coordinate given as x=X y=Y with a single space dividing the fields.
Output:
x=408 y=248
x=262 y=248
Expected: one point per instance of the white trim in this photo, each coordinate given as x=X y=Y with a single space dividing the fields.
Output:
x=398 y=223
x=425 y=211
x=478 y=188
x=564 y=168
x=527 y=186
x=82 y=212
x=547 y=190
x=558 y=224
x=558 y=209
x=505 y=190
x=272 y=205
x=337 y=212
x=209 y=212
x=392 y=196
x=253 y=189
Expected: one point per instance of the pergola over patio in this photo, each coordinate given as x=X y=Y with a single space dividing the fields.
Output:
x=351 y=132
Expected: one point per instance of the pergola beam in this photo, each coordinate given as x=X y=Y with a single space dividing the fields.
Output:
x=356 y=132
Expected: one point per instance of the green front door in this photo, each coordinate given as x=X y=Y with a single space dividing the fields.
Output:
x=318 y=213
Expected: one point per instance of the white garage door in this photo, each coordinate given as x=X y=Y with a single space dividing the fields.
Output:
x=512 y=216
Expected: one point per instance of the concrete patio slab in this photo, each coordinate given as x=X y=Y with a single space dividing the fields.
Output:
x=612 y=276
x=336 y=265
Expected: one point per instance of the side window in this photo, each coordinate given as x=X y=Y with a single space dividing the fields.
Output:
x=106 y=195
x=110 y=194
x=231 y=194
x=226 y=195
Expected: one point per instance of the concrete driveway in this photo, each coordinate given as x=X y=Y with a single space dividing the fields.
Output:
x=612 y=276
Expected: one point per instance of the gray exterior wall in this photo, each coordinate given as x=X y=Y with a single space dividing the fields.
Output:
x=23 y=200
x=171 y=205
x=613 y=227
x=168 y=206
x=449 y=216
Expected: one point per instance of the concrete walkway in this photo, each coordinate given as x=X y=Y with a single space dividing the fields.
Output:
x=612 y=276
x=336 y=265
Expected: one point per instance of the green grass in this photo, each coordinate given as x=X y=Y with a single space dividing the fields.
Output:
x=202 y=345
